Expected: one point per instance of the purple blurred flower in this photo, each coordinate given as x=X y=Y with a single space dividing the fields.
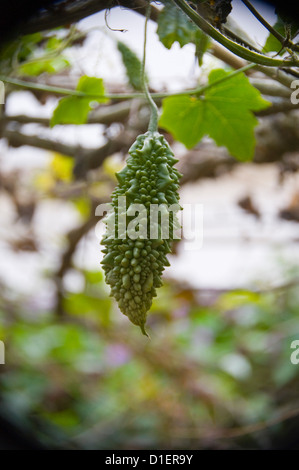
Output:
x=117 y=355
x=181 y=312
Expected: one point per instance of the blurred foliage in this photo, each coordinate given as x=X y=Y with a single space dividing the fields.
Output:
x=90 y=380
x=40 y=66
x=37 y=53
x=286 y=30
x=75 y=109
x=174 y=26
x=132 y=64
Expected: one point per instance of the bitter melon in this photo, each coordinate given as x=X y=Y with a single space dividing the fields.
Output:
x=133 y=267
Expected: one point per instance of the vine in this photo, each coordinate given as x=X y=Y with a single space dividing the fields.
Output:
x=120 y=96
x=153 y=124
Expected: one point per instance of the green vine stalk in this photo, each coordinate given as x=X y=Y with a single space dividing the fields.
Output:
x=120 y=96
x=237 y=49
x=153 y=124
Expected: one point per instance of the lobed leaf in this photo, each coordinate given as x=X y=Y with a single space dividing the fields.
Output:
x=224 y=112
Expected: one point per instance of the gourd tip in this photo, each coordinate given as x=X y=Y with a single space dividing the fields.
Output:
x=144 y=332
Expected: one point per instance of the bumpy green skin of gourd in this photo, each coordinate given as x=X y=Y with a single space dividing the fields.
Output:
x=133 y=268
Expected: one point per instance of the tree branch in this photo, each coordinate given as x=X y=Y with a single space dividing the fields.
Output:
x=18 y=139
x=103 y=115
x=270 y=88
x=206 y=161
x=86 y=159
x=71 y=12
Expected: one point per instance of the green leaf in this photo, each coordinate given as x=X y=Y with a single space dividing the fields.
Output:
x=71 y=110
x=75 y=109
x=174 y=25
x=44 y=66
x=18 y=51
x=92 y=86
x=94 y=277
x=234 y=299
x=202 y=42
x=274 y=45
x=132 y=64
x=81 y=304
x=62 y=167
x=26 y=45
x=83 y=206
x=183 y=116
x=224 y=113
x=53 y=43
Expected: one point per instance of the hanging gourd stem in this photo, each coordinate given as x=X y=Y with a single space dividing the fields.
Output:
x=153 y=124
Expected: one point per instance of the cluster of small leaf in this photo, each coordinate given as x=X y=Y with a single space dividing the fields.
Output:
x=133 y=267
x=32 y=55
